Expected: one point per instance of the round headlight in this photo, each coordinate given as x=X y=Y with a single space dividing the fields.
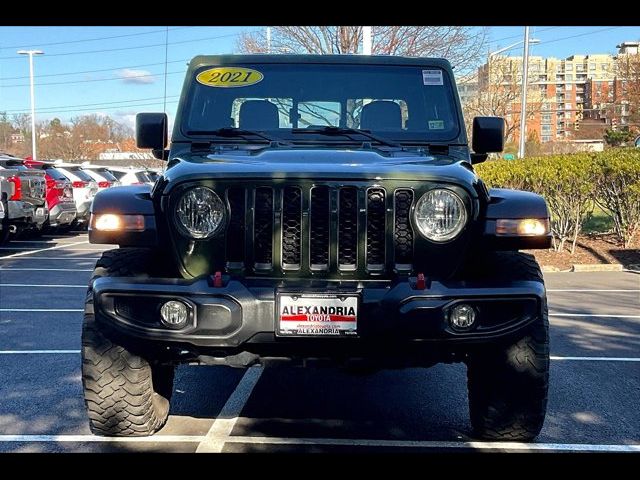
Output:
x=440 y=215
x=200 y=212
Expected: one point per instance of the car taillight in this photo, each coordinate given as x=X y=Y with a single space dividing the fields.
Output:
x=80 y=184
x=17 y=188
x=104 y=184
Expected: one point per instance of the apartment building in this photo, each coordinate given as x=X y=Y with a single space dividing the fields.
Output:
x=562 y=92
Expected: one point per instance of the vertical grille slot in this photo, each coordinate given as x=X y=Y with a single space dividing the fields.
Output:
x=319 y=228
x=263 y=228
x=375 y=229
x=348 y=228
x=402 y=232
x=236 y=228
x=291 y=227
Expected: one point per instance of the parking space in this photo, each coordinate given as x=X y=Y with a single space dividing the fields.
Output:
x=595 y=378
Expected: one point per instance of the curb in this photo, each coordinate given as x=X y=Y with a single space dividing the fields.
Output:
x=593 y=267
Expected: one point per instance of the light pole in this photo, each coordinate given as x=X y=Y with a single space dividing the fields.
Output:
x=523 y=107
x=366 y=40
x=31 y=53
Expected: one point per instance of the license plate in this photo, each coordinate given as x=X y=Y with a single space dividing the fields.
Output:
x=317 y=315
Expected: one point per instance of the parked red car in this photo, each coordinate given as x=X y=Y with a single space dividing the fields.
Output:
x=59 y=195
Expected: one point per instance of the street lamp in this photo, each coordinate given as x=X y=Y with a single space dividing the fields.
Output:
x=525 y=73
x=31 y=53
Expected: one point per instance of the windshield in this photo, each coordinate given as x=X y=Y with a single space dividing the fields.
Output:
x=406 y=104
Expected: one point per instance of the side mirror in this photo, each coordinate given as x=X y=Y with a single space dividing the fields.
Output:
x=487 y=137
x=151 y=130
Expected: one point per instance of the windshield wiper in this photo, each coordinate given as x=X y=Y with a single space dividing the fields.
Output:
x=230 y=132
x=332 y=130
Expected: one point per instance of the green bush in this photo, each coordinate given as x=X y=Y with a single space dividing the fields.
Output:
x=572 y=183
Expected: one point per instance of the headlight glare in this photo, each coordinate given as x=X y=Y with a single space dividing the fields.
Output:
x=440 y=215
x=200 y=212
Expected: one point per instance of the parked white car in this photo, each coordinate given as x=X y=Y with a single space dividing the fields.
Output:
x=131 y=176
x=102 y=175
x=84 y=189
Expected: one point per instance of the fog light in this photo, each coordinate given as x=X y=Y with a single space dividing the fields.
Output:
x=174 y=313
x=462 y=316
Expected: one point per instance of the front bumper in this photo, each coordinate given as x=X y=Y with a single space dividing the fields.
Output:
x=239 y=318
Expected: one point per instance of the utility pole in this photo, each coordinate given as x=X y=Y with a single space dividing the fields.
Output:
x=523 y=108
x=268 y=39
x=31 y=53
x=366 y=40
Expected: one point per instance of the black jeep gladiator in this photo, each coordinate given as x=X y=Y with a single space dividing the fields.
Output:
x=317 y=210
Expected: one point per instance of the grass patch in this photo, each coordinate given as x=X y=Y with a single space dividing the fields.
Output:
x=598 y=222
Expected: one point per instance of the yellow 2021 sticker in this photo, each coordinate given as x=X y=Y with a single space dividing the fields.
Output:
x=229 y=77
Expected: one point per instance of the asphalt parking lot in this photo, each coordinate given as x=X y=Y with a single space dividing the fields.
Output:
x=593 y=400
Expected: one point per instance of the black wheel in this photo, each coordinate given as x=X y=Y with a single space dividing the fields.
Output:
x=125 y=394
x=508 y=383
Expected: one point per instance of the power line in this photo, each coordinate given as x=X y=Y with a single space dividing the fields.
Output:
x=566 y=38
x=99 y=104
x=519 y=35
x=142 y=75
x=90 y=39
x=97 y=71
x=105 y=108
x=129 y=48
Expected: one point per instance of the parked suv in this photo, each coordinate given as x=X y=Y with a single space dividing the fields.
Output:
x=101 y=175
x=325 y=210
x=59 y=195
x=131 y=176
x=84 y=190
x=24 y=206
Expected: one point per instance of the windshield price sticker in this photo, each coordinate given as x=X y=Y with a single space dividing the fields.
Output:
x=432 y=77
x=229 y=77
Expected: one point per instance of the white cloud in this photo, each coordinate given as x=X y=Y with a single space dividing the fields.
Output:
x=130 y=75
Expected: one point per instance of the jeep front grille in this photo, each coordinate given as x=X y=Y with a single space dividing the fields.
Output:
x=322 y=230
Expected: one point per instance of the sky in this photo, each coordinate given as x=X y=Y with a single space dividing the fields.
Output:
x=119 y=71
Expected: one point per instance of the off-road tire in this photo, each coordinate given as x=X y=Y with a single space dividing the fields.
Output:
x=508 y=383
x=125 y=394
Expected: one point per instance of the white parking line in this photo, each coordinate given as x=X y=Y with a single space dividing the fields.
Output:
x=591 y=315
x=94 y=438
x=597 y=359
x=222 y=426
x=248 y=381
x=39 y=250
x=618 y=290
x=46 y=269
x=39 y=352
x=40 y=285
x=41 y=310
x=346 y=442
x=50 y=258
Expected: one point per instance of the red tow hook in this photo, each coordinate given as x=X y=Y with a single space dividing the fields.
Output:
x=216 y=280
x=421 y=282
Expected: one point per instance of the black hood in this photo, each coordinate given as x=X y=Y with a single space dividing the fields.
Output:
x=329 y=164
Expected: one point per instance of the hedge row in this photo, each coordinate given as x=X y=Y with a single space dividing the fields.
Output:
x=572 y=184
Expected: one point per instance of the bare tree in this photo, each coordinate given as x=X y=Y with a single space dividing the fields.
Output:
x=499 y=94
x=462 y=46
x=628 y=98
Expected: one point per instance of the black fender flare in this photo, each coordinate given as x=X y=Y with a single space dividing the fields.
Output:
x=126 y=200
